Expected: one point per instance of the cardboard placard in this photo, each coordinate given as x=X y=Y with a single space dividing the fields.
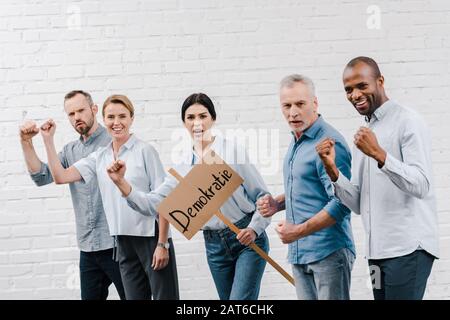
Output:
x=199 y=196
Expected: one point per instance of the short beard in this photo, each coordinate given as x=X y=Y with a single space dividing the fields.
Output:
x=85 y=130
x=371 y=102
x=88 y=128
x=303 y=128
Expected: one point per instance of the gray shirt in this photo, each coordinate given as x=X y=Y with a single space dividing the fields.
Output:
x=397 y=202
x=92 y=228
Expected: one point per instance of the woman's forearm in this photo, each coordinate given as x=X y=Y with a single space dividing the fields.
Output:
x=124 y=186
x=60 y=175
x=163 y=229
x=53 y=161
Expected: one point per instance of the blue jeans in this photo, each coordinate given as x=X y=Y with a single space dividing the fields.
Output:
x=237 y=270
x=97 y=271
x=326 y=279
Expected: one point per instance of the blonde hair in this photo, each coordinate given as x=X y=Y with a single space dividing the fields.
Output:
x=118 y=98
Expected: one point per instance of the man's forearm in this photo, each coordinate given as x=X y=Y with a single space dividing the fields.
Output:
x=332 y=171
x=319 y=221
x=31 y=159
x=380 y=157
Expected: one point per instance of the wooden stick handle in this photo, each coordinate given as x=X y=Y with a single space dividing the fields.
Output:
x=257 y=249
x=236 y=230
x=177 y=176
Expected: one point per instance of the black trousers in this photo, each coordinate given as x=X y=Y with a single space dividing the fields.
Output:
x=401 y=278
x=140 y=281
x=97 y=271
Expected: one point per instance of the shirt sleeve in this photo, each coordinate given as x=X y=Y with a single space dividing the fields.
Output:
x=412 y=173
x=255 y=188
x=87 y=167
x=44 y=176
x=348 y=191
x=335 y=207
x=160 y=185
x=147 y=202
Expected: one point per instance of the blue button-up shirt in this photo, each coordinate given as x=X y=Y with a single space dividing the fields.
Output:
x=91 y=225
x=308 y=190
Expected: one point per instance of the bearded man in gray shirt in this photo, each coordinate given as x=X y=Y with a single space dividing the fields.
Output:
x=97 y=267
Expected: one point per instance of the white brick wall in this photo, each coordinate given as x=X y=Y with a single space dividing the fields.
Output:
x=158 y=52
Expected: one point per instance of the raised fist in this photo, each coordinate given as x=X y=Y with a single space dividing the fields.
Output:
x=28 y=130
x=116 y=171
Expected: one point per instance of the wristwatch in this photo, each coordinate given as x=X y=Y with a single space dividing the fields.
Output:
x=163 y=245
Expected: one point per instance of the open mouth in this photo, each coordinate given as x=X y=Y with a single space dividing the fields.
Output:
x=296 y=123
x=117 y=130
x=361 y=104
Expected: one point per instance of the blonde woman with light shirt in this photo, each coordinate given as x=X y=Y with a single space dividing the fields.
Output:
x=145 y=251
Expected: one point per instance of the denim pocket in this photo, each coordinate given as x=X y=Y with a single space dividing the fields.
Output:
x=262 y=241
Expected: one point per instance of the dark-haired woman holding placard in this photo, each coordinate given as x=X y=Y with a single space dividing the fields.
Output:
x=237 y=270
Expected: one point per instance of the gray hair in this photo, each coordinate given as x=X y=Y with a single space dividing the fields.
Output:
x=291 y=80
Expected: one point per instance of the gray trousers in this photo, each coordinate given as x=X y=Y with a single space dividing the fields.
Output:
x=140 y=281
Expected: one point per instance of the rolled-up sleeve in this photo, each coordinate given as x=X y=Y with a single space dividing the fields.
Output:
x=44 y=176
x=87 y=167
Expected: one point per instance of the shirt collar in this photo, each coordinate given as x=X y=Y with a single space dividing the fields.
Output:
x=188 y=155
x=383 y=110
x=93 y=136
x=130 y=142
x=127 y=145
x=312 y=131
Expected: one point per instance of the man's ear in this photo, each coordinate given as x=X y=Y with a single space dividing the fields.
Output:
x=95 y=109
x=380 y=81
x=316 y=104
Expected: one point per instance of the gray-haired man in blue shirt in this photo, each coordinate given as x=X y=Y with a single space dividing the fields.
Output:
x=97 y=268
x=317 y=226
